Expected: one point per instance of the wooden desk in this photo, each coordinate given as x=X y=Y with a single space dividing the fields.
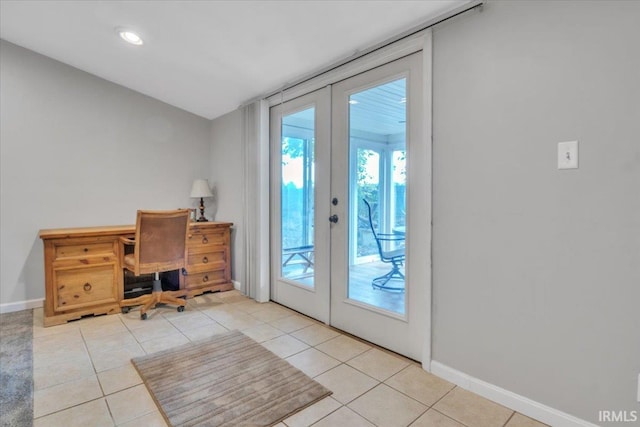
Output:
x=83 y=271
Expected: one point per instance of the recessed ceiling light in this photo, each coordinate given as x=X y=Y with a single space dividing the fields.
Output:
x=129 y=36
x=403 y=100
x=353 y=102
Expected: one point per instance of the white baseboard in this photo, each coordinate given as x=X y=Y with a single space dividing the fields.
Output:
x=236 y=284
x=21 y=305
x=518 y=403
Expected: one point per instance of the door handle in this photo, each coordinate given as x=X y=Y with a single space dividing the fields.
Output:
x=333 y=218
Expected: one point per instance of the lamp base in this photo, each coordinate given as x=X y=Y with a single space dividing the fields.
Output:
x=202 y=218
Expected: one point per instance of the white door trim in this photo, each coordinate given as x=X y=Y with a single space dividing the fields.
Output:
x=427 y=137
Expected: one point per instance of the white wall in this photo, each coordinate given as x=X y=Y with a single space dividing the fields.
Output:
x=77 y=150
x=227 y=179
x=536 y=271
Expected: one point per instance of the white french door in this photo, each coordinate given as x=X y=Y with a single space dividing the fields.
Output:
x=300 y=147
x=350 y=245
x=378 y=286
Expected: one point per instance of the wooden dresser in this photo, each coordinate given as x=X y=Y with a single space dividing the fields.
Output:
x=83 y=271
x=208 y=258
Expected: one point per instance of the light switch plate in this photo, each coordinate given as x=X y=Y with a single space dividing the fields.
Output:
x=568 y=155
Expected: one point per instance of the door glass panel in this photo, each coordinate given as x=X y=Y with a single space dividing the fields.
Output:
x=377 y=210
x=367 y=187
x=297 y=196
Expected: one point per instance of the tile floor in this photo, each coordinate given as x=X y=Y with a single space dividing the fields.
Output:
x=83 y=375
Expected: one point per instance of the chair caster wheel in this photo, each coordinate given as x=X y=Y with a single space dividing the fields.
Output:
x=125 y=310
x=143 y=316
x=180 y=308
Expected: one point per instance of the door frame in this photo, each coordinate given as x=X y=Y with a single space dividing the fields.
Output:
x=422 y=41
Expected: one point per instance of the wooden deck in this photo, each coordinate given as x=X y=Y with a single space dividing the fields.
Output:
x=360 y=289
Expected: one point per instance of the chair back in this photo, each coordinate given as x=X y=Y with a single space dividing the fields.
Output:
x=161 y=239
x=394 y=254
x=373 y=230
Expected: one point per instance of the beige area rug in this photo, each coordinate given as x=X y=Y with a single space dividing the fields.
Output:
x=226 y=380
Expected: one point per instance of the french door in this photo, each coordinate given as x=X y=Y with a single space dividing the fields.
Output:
x=377 y=281
x=300 y=147
x=347 y=236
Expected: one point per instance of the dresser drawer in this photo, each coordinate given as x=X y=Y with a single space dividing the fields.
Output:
x=205 y=279
x=207 y=258
x=78 y=250
x=203 y=237
x=81 y=287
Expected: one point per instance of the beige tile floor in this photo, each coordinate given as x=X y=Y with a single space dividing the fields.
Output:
x=83 y=375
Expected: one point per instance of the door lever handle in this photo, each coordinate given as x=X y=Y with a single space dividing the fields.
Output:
x=333 y=218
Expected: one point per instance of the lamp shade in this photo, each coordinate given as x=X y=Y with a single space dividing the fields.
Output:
x=200 y=188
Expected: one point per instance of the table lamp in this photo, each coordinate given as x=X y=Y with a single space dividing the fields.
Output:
x=200 y=188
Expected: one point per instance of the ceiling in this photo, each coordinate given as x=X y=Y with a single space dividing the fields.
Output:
x=208 y=57
x=377 y=114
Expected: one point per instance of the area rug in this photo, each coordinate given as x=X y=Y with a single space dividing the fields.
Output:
x=226 y=380
x=16 y=368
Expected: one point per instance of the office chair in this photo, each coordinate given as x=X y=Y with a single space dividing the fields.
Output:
x=159 y=246
x=395 y=257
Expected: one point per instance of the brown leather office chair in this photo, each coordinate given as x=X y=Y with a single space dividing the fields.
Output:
x=159 y=245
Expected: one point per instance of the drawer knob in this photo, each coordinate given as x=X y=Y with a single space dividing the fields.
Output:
x=205 y=260
x=86 y=249
x=190 y=235
x=87 y=286
x=205 y=240
x=205 y=278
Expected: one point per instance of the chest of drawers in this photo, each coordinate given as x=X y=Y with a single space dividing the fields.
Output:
x=208 y=258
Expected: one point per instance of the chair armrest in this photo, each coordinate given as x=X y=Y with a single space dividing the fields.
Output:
x=127 y=241
x=391 y=237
